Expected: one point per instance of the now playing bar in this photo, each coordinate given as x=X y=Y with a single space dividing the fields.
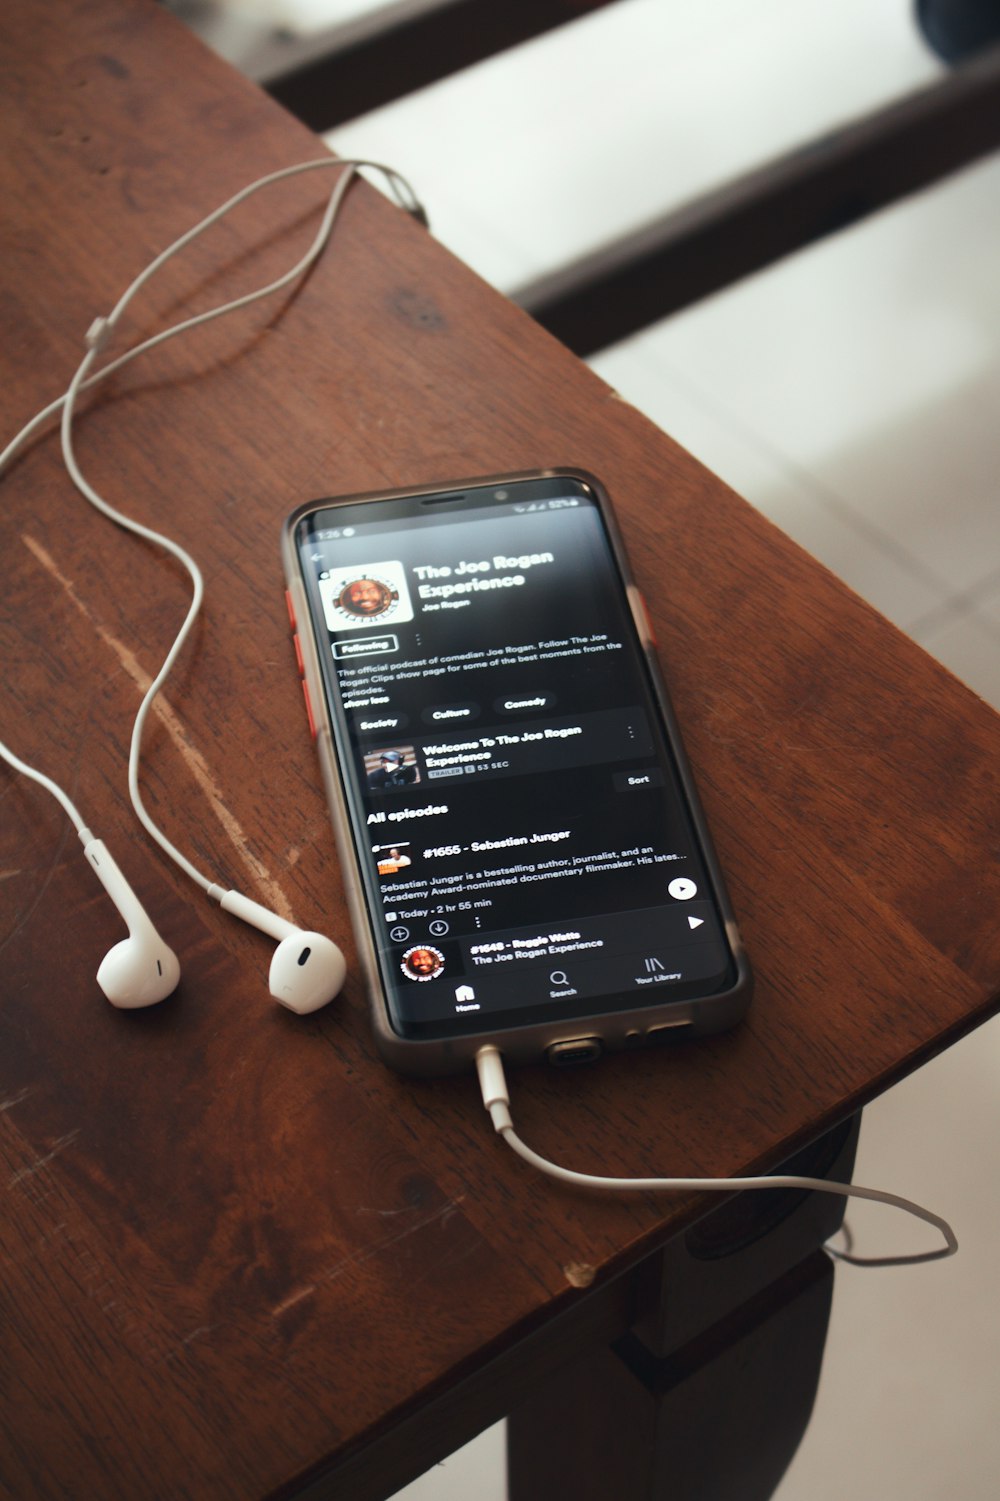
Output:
x=589 y=957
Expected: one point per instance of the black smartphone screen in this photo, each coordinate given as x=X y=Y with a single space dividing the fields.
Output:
x=526 y=847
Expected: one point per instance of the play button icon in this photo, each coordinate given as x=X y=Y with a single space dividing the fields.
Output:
x=682 y=890
x=695 y=922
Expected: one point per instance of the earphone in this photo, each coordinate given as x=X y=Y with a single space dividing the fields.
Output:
x=141 y=969
x=307 y=969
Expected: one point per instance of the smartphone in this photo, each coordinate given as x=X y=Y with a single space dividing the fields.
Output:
x=524 y=853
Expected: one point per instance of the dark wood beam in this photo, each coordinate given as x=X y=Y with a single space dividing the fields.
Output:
x=409 y=53
x=815 y=190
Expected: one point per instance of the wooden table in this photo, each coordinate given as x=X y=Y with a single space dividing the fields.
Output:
x=240 y=1257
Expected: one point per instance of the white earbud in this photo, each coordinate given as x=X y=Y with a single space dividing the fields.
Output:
x=307 y=970
x=141 y=969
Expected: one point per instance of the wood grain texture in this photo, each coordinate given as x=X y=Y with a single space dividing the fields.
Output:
x=236 y=1249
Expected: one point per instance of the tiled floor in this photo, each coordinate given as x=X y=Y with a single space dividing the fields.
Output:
x=865 y=428
x=849 y=391
x=852 y=393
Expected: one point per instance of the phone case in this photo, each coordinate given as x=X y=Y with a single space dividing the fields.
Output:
x=563 y=1040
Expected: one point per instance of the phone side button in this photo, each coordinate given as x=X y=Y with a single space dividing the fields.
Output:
x=309 y=708
x=649 y=623
x=665 y=1031
x=641 y=616
x=298 y=655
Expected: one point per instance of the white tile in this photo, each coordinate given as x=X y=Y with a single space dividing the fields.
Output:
x=317 y=16
x=987 y=603
x=479 y=1469
x=872 y=564
x=967 y=642
x=932 y=482
x=860 y=331
x=876 y=571
x=907 y=1401
x=581 y=134
x=871 y=362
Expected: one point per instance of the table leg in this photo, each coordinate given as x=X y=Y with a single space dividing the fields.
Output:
x=707 y=1397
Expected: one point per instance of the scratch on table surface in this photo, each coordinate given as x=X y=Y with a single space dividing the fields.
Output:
x=579 y=1273
x=198 y=1333
x=387 y=1214
x=272 y=894
x=32 y=1252
x=8 y=875
x=40 y=1162
x=183 y=1345
x=292 y=1299
x=55 y=855
x=18 y=1096
x=358 y=1258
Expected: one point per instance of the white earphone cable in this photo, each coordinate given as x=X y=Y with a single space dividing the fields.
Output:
x=101 y=333
x=57 y=792
x=98 y=336
x=493 y=1085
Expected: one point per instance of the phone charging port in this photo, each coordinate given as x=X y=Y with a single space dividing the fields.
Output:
x=579 y=1050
